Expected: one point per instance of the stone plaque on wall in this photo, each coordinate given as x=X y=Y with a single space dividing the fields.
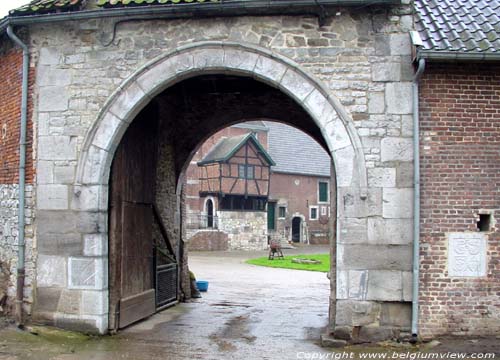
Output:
x=466 y=255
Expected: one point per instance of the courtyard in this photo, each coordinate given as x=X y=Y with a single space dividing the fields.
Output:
x=248 y=312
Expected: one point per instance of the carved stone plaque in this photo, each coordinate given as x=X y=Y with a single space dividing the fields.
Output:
x=466 y=255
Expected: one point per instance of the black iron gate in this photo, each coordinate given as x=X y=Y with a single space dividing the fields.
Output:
x=166 y=285
x=165 y=268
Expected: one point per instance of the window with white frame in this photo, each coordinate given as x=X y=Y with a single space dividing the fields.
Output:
x=313 y=213
x=323 y=210
x=282 y=212
x=323 y=192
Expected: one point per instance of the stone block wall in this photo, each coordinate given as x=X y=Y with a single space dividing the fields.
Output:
x=460 y=162
x=361 y=59
x=246 y=230
x=9 y=230
x=166 y=196
x=208 y=240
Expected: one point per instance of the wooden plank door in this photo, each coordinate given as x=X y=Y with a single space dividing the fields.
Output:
x=132 y=191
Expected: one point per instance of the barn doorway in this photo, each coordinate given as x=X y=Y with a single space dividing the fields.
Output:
x=296 y=229
x=188 y=110
x=146 y=236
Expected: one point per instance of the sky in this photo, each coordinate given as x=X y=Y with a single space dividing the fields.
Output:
x=6 y=5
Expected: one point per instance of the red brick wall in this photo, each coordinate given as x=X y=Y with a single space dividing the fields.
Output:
x=10 y=114
x=298 y=192
x=460 y=165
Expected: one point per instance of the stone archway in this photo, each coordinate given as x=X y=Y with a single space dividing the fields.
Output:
x=337 y=129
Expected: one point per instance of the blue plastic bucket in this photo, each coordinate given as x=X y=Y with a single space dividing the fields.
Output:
x=202 y=285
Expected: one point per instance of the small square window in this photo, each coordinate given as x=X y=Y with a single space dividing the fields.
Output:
x=323 y=211
x=313 y=213
x=282 y=212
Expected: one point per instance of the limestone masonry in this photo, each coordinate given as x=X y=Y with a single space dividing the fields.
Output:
x=346 y=80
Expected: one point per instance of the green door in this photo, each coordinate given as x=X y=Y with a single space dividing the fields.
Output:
x=271 y=212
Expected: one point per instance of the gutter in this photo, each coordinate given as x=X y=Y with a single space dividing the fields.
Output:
x=416 y=200
x=194 y=10
x=326 y=177
x=457 y=56
x=22 y=179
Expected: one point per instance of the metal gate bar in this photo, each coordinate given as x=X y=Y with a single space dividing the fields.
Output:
x=166 y=285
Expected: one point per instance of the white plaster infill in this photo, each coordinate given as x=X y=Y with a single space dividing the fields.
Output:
x=264 y=65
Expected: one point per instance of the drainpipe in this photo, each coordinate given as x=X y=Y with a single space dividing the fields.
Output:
x=22 y=172
x=416 y=200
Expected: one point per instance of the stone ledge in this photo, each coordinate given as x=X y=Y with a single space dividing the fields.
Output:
x=331 y=342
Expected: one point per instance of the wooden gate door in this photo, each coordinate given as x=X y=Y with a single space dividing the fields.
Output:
x=132 y=191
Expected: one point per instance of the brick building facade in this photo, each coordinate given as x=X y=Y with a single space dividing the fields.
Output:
x=300 y=186
x=460 y=158
x=301 y=218
x=459 y=103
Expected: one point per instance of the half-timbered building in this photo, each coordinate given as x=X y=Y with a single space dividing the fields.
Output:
x=237 y=171
x=234 y=178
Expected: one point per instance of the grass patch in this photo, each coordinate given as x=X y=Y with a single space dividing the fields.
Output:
x=288 y=264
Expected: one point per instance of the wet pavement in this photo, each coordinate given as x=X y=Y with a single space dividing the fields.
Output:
x=249 y=312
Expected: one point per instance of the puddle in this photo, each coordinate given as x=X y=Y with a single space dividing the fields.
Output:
x=231 y=305
x=235 y=330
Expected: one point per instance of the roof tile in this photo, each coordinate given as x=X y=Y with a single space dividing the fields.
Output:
x=296 y=152
x=463 y=26
x=227 y=147
x=48 y=6
x=120 y=3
